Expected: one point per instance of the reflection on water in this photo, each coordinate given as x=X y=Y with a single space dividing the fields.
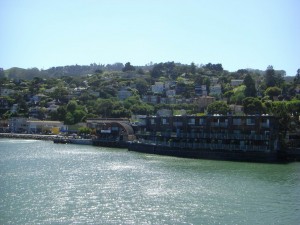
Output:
x=46 y=183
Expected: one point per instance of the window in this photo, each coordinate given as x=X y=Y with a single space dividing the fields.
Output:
x=202 y=121
x=165 y=121
x=191 y=121
x=251 y=121
x=237 y=121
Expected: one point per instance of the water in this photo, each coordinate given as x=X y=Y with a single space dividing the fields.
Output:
x=46 y=183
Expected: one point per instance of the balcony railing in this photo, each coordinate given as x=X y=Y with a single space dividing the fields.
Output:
x=211 y=146
x=220 y=136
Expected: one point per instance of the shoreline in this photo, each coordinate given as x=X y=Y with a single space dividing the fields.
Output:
x=28 y=136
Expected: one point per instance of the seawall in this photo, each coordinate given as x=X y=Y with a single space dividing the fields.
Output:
x=27 y=136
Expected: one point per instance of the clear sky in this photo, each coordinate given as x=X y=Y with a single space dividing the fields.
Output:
x=236 y=33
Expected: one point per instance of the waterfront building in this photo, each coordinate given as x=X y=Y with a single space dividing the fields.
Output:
x=211 y=136
x=43 y=126
x=17 y=124
x=112 y=132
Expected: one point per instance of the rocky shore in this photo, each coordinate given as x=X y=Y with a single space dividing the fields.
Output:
x=28 y=136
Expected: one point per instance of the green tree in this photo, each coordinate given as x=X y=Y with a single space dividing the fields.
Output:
x=141 y=85
x=273 y=78
x=218 y=107
x=69 y=119
x=253 y=106
x=297 y=77
x=250 y=90
x=104 y=107
x=143 y=109
x=71 y=106
x=121 y=113
x=270 y=77
x=79 y=115
x=239 y=95
x=128 y=67
x=273 y=92
x=193 y=68
x=62 y=112
x=84 y=130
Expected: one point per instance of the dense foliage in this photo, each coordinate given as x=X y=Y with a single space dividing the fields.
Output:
x=74 y=93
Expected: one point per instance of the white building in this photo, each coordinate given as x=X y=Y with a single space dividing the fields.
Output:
x=158 y=87
x=41 y=126
x=215 y=89
x=236 y=83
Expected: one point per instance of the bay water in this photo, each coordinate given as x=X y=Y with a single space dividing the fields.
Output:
x=46 y=183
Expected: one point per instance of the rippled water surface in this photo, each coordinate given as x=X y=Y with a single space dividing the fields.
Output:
x=46 y=183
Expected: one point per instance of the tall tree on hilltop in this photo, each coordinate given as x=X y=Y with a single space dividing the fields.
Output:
x=270 y=77
x=193 y=68
x=274 y=78
x=250 y=90
x=297 y=77
x=128 y=67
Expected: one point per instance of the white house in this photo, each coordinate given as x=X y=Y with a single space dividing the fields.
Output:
x=41 y=126
x=236 y=83
x=158 y=87
x=215 y=89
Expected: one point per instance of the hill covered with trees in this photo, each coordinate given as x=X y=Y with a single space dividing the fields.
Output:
x=74 y=93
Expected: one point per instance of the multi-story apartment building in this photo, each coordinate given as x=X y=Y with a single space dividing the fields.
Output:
x=246 y=138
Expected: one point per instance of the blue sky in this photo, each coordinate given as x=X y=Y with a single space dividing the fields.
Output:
x=238 y=34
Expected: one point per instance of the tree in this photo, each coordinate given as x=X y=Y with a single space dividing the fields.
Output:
x=79 y=115
x=193 y=68
x=71 y=106
x=157 y=70
x=274 y=78
x=143 y=109
x=62 y=111
x=239 y=94
x=69 y=119
x=141 y=85
x=253 y=106
x=104 y=107
x=297 y=77
x=214 y=67
x=218 y=107
x=121 y=113
x=84 y=130
x=250 y=90
x=273 y=91
x=2 y=74
x=128 y=67
x=270 y=77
